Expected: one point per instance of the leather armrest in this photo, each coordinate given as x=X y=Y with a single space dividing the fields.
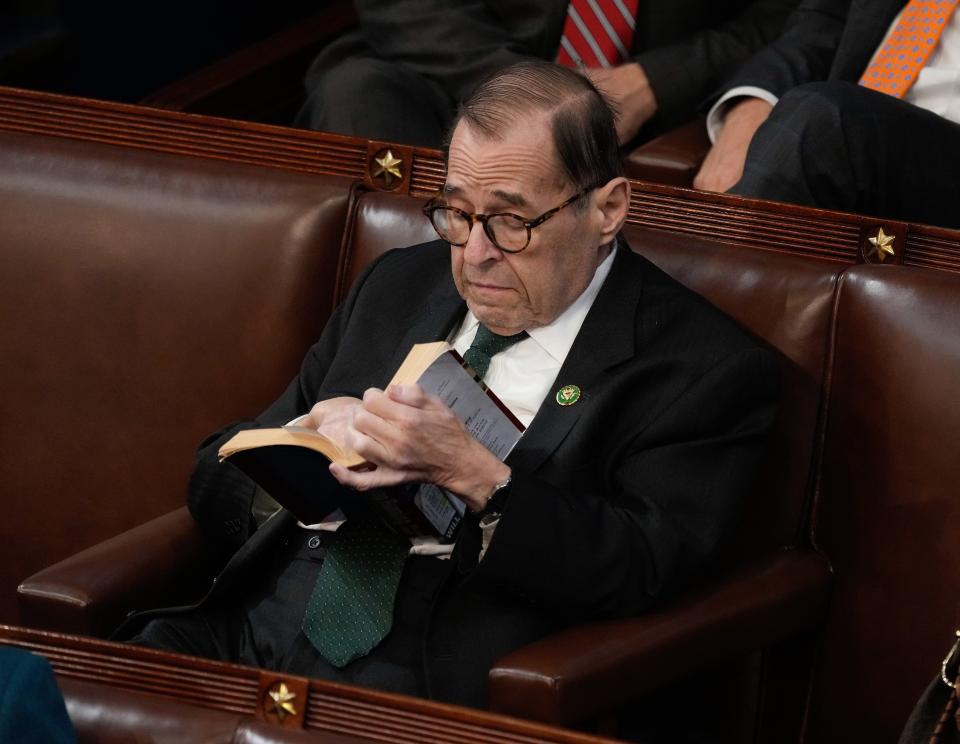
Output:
x=673 y=158
x=591 y=669
x=154 y=564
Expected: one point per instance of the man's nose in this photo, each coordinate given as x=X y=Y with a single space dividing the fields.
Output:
x=479 y=248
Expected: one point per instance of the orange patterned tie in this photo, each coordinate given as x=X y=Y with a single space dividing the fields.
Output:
x=905 y=51
x=598 y=33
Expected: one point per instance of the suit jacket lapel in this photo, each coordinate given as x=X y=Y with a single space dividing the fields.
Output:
x=443 y=308
x=607 y=337
x=866 y=27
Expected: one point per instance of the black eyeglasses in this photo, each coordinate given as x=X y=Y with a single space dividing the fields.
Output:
x=507 y=231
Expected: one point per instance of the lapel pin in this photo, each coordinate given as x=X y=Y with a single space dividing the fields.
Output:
x=568 y=395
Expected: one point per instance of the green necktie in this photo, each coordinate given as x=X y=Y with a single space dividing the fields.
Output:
x=351 y=607
x=486 y=344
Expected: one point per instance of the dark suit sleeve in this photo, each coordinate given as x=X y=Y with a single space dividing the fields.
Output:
x=666 y=500
x=682 y=74
x=219 y=495
x=804 y=52
x=455 y=44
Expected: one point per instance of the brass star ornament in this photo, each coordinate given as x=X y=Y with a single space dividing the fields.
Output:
x=882 y=245
x=282 y=700
x=388 y=167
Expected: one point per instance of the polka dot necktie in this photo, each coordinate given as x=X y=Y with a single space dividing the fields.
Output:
x=598 y=33
x=905 y=51
x=351 y=608
x=487 y=344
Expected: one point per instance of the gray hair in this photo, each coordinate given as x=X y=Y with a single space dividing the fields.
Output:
x=581 y=119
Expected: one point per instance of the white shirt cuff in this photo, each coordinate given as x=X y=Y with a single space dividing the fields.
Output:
x=718 y=112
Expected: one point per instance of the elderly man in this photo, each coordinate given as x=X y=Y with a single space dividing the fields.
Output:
x=619 y=491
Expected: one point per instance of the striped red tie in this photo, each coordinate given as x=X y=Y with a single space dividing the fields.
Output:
x=598 y=33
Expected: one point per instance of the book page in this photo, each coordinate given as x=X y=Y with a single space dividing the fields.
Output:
x=472 y=404
x=480 y=412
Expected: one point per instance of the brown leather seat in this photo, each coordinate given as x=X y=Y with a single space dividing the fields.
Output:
x=114 y=257
x=888 y=513
x=129 y=279
x=775 y=595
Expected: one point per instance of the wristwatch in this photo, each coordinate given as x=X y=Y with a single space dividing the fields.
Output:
x=491 y=510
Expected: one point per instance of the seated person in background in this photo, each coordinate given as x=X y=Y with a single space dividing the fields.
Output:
x=888 y=146
x=401 y=74
x=605 y=506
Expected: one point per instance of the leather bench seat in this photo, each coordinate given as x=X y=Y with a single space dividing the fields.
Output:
x=149 y=297
x=140 y=291
x=888 y=504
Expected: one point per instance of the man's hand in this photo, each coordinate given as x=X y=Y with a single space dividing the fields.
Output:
x=333 y=417
x=723 y=166
x=629 y=90
x=414 y=437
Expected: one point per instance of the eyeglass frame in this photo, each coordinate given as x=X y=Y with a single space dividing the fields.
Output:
x=473 y=217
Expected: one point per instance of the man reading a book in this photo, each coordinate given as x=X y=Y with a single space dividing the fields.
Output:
x=645 y=411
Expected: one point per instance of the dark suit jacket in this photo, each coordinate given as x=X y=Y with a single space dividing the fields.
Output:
x=686 y=47
x=616 y=502
x=823 y=40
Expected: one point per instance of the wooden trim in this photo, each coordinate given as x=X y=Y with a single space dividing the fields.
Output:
x=786 y=228
x=377 y=716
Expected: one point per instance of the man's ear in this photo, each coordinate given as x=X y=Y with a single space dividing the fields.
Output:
x=612 y=200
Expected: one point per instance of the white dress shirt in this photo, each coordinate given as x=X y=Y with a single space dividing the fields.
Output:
x=937 y=87
x=522 y=375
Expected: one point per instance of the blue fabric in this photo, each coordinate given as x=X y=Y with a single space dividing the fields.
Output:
x=31 y=706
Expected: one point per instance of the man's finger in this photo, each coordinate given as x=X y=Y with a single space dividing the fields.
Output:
x=415 y=396
x=369 y=447
x=411 y=395
x=368 y=479
x=384 y=405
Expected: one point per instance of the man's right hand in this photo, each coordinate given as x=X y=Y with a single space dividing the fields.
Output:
x=723 y=166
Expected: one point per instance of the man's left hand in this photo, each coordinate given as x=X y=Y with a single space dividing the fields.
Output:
x=629 y=90
x=413 y=437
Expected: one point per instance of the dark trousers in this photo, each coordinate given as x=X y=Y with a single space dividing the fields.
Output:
x=840 y=146
x=262 y=628
x=352 y=91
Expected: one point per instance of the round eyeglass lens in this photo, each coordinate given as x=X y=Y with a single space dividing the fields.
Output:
x=452 y=226
x=508 y=232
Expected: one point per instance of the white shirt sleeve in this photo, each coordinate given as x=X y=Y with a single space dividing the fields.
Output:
x=718 y=112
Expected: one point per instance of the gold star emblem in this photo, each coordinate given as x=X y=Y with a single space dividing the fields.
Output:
x=882 y=245
x=388 y=167
x=282 y=700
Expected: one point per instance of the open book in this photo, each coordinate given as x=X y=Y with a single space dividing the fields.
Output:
x=290 y=462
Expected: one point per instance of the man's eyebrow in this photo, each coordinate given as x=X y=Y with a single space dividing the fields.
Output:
x=510 y=197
